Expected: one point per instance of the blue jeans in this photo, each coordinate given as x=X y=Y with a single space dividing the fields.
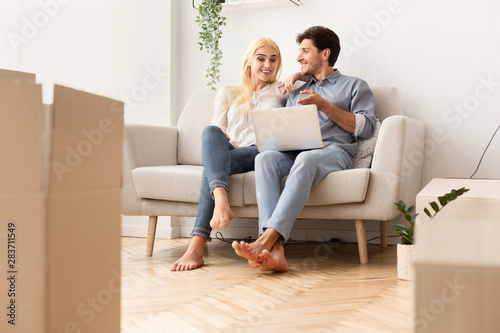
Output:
x=305 y=169
x=220 y=160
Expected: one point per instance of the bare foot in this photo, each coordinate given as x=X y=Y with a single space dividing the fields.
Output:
x=274 y=260
x=246 y=251
x=193 y=258
x=253 y=251
x=222 y=212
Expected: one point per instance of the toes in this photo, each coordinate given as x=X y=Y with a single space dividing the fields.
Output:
x=266 y=254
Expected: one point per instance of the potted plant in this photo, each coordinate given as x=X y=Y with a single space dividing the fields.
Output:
x=211 y=20
x=406 y=232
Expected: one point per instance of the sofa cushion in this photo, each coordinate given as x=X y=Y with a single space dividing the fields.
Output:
x=364 y=152
x=347 y=186
x=179 y=183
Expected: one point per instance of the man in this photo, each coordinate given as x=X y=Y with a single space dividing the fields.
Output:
x=346 y=113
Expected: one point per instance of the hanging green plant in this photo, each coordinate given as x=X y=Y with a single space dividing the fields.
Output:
x=211 y=20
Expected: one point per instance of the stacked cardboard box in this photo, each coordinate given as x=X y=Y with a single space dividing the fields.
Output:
x=60 y=180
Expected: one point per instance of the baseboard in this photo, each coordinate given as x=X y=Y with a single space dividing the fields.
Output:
x=345 y=236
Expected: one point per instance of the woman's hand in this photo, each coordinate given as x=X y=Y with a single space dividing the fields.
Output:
x=289 y=82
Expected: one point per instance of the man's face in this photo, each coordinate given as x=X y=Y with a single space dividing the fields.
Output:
x=310 y=58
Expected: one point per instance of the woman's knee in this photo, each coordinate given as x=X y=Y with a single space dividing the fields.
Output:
x=211 y=130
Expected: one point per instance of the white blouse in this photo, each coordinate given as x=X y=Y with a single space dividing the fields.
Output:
x=237 y=121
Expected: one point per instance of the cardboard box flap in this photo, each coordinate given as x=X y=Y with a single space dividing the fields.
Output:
x=17 y=76
x=86 y=141
x=21 y=145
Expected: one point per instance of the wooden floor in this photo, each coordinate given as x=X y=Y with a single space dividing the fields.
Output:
x=326 y=290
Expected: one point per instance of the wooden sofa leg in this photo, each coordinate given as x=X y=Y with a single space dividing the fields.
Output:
x=150 y=243
x=383 y=233
x=361 y=235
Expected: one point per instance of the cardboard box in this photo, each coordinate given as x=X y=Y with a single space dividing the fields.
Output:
x=456 y=259
x=17 y=76
x=60 y=183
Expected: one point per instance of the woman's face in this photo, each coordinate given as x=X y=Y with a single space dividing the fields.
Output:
x=263 y=63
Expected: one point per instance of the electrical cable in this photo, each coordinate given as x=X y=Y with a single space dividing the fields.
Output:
x=484 y=152
x=220 y=237
x=334 y=242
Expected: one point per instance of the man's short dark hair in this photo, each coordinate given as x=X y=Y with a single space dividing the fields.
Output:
x=322 y=38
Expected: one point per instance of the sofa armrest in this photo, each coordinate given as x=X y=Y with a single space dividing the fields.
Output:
x=397 y=163
x=144 y=145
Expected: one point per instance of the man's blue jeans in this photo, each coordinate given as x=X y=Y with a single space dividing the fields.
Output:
x=220 y=160
x=304 y=169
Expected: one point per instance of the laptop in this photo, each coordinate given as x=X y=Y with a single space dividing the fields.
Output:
x=287 y=128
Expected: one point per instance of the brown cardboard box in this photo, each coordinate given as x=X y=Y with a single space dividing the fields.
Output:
x=456 y=259
x=59 y=210
x=17 y=76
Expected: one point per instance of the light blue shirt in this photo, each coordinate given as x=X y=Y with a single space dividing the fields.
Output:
x=348 y=93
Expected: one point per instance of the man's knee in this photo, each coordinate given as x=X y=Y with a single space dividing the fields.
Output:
x=307 y=160
x=266 y=157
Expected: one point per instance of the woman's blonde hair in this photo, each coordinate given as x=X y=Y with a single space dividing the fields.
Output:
x=244 y=90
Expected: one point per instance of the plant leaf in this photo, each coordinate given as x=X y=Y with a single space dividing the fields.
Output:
x=434 y=206
x=443 y=200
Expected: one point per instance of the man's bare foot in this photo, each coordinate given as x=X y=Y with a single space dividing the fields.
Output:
x=246 y=251
x=193 y=258
x=274 y=260
x=253 y=251
x=222 y=211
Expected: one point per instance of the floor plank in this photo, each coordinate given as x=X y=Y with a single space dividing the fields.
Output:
x=325 y=290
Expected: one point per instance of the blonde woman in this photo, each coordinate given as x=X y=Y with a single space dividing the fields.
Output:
x=228 y=146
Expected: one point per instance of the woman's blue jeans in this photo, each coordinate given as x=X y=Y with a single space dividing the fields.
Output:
x=220 y=160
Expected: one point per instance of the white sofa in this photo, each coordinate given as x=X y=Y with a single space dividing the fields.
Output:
x=162 y=171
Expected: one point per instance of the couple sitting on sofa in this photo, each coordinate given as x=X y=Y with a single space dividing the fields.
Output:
x=346 y=112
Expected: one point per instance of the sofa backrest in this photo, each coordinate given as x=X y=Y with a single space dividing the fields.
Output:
x=197 y=114
x=387 y=102
x=199 y=110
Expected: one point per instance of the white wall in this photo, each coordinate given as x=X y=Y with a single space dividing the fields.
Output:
x=119 y=49
x=116 y=48
x=441 y=55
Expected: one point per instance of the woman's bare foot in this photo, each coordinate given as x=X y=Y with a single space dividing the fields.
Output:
x=274 y=260
x=193 y=258
x=222 y=211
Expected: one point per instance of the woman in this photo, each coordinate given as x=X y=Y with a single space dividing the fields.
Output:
x=228 y=146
